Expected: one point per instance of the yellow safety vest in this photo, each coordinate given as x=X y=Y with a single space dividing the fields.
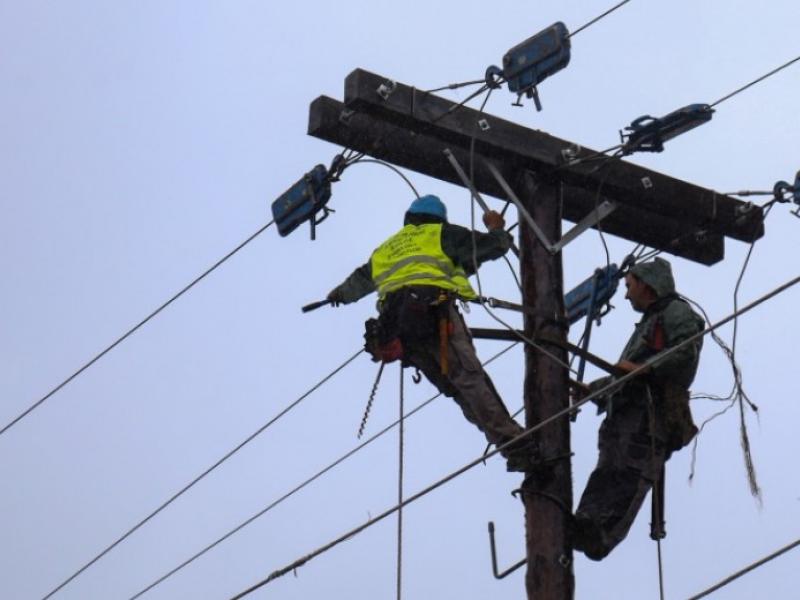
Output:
x=414 y=256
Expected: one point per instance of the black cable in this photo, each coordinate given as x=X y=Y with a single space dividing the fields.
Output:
x=752 y=83
x=596 y=19
x=746 y=570
x=526 y=433
x=360 y=161
x=299 y=487
x=133 y=329
x=455 y=107
x=197 y=479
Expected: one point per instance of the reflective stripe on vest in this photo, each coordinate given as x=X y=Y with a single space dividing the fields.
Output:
x=414 y=256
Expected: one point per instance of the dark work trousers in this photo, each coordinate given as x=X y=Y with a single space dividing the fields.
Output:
x=466 y=381
x=629 y=462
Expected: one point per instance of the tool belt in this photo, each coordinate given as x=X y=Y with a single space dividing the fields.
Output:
x=409 y=316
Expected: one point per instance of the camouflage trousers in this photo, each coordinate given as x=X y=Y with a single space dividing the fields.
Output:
x=630 y=460
x=466 y=381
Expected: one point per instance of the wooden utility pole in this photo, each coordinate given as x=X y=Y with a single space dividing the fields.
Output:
x=547 y=490
x=420 y=131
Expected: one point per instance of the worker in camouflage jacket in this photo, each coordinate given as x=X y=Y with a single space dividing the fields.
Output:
x=419 y=273
x=647 y=417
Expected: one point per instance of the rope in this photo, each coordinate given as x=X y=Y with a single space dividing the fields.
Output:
x=299 y=487
x=400 y=495
x=202 y=475
x=746 y=570
x=562 y=413
x=752 y=83
x=132 y=330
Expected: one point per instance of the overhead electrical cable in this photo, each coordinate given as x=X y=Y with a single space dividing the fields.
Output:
x=746 y=570
x=596 y=19
x=202 y=475
x=302 y=485
x=558 y=415
x=133 y=329
x=755 y=81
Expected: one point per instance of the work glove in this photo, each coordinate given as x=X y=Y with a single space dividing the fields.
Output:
x=493 y=220
x=336 y=297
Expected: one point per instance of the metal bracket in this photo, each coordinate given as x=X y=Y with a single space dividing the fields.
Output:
x=590 y=220
x=594 y=217
x=520 y=207
x=508 y=571
x=469 y=185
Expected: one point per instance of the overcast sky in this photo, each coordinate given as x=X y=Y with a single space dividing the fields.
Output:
x=142 y=141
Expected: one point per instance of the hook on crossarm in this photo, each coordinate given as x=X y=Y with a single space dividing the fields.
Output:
x=508 y=571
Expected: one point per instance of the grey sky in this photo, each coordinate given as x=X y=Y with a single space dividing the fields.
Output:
x=141 y=141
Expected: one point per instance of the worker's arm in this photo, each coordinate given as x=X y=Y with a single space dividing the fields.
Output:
x=355 y=287
x=457 y=242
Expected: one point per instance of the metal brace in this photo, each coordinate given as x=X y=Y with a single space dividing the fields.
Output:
x=593 y=218
x=468 y=184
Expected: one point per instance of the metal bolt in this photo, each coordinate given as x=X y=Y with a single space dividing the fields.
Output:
x=484 y=125
x=647 y=183
x=346 y=115
x=386 y=88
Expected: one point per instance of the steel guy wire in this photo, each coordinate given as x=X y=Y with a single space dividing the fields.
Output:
x=562 y=413
x=746 y=570
x=754 y=82
x=302 y=485
x=596 y=19
x=455 y=86
x=133 y=329
x=202 y=475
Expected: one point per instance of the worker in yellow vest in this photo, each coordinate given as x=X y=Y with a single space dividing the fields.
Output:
x=419 y=273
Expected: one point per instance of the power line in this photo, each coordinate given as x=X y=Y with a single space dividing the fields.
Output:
x=132 y=330
x=746 y=570
x=596 y=19
x=299 y=487
x=613 y=385
x=197 y=479
x=752 y=83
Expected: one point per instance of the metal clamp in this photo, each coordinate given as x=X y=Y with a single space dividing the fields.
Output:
x=594 y=217
x=386 y=89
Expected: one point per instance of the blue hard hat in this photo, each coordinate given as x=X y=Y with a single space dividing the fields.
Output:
x=428 y=205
